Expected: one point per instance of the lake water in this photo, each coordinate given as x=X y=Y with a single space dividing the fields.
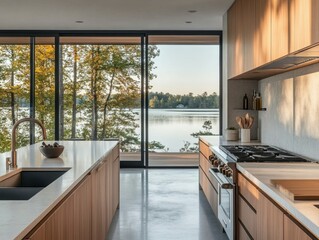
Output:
x=173 y=127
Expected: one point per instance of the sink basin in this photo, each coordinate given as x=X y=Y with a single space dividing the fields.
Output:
x=26 y=183
x=32 y=178
x=298 y=189
x=18 y=193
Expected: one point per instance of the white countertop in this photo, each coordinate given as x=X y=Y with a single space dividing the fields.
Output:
x=219 y=140
x=19 y=217
x=303 y=211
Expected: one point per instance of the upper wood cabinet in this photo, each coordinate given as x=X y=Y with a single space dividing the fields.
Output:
x=304 y=20
x=257 y=33
x=231 y=41
x=249 y=25
x=279 y=28
x=262 y=33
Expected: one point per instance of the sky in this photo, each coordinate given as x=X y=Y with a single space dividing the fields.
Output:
x=182 y=69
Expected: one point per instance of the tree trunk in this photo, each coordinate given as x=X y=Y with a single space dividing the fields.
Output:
x=105 y=105
x=75 y=72
x=94 y=96
x=12 y=85
x=61 y=97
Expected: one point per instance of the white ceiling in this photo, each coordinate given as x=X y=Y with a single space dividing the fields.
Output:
x=112 y=14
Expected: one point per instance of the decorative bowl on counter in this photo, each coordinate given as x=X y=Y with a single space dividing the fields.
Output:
x=51 y=151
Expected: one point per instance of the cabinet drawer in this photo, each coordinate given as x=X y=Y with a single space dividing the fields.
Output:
x=209 y=191
x=248 y=190
x=242 y=234
x=204 y=149
x=247 y=217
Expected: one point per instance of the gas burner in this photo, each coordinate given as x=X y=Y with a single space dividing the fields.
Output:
x=259 y=153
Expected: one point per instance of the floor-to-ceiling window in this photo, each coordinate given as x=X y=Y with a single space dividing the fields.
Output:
x=183 y=97
x=156 y=93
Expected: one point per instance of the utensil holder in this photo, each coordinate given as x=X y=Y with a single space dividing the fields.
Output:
x=245 y=135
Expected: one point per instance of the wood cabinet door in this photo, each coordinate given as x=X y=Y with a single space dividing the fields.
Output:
x=83 y=210
x=231 y=41
x=249 y=26
x=279 y=29
x=115 y=185
x=99 y=217
x=262 y=38
x=303 y=20
x=292 y=231
x=269 y=220
x=239 y=37
x=60 y=225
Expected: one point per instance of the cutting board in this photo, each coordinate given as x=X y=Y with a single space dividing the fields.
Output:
x=298 y=189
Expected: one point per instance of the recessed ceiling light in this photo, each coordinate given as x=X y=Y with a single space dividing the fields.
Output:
x=79 y=21
x=192 y=11
x=188 y=22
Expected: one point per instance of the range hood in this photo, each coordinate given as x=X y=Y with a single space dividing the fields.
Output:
x=301 y=58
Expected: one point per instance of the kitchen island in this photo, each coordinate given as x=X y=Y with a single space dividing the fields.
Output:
x=86 y=196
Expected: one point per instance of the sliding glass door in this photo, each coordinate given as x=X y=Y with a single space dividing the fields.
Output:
x=183 y=98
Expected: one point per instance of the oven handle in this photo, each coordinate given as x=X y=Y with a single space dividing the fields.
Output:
x=224 y=185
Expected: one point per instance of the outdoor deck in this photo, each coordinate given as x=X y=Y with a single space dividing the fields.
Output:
x=166 y=159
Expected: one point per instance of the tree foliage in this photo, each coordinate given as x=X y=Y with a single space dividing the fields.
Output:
x=99 y=87
x=167 y=100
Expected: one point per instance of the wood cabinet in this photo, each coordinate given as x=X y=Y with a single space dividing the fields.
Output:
x=99 y=202
x=262 y=33
x=247 y=204
x=292 y=231
x=231 y=41
x=248 y=26
x=260 y=218
x=207 y=182
x=83 y=210
x=258 y=32
x=269 y=220
x=115 y=185
x=279 y=28
x=59 y=225
x=303 y=20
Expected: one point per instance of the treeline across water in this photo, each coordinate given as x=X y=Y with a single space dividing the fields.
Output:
x=167 y=100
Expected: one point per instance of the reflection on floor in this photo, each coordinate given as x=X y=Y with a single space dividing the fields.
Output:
x=163 y=204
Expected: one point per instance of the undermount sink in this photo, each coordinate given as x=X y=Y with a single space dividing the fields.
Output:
x=18 y=193
x=26 y=183
x=298 y=189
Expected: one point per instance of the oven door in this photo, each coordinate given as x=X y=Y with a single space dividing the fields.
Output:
x=225 y=202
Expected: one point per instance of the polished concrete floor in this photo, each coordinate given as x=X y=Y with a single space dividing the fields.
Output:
x=163 y=204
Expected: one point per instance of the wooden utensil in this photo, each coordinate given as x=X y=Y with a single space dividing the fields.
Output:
x=239 y=121
x=251 y=121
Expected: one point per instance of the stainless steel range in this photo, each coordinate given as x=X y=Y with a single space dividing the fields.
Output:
x=224 y=170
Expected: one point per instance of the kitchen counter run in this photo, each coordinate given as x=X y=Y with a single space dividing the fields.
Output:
x=20 y=217
x=303 y=211
x=219 y=140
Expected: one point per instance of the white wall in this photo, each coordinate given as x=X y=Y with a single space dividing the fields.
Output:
x=292 y=117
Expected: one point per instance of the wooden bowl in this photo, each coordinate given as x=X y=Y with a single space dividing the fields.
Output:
x=51 y=152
